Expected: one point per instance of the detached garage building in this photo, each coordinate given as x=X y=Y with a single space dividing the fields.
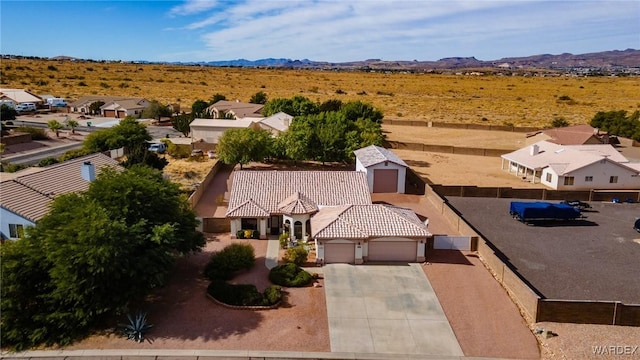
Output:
x=386 y=172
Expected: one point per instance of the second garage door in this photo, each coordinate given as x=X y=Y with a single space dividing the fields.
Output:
x=385 y=180
x=339 y=253
x=392 y=251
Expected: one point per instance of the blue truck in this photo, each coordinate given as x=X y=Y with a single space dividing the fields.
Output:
x=542 y=211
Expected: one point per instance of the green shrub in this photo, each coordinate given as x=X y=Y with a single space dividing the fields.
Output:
x=290 y=275
x=240 y=234
x=226 y=262
x=47 y=161
x=243 y=294
x=272 y=295
x=36 y=133
x=177 y=151
x=11 y=168
x=284 y=239
x=240 y=295
x=297 y=255
x=72 y=154
x=256 y=234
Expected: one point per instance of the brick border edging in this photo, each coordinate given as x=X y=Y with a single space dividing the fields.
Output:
x=244 y=307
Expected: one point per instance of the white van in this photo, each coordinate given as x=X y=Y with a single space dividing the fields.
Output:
x=26 y=107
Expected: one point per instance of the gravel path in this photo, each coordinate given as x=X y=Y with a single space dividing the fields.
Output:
x=483 y=317
x=184 y=318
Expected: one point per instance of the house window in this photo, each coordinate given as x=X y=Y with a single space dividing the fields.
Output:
x=613 y=179
x=16 y=231
x=568 y=180
x=249 y=224
x=549 y=177
x=588 y=178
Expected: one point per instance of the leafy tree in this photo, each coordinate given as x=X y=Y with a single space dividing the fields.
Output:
x=95 y=106
x=240 y=146
x=181 y=123
x=7 y=113
x=199 y=110
x=618 y=123
x=55 y=126
x=330 y=105
x=155 y=110
x=355 y=110
x=296 y=106
x=330 y=130
x=132 y=135
x=92 y=255
x=258 y=98
x=129 y=133
x=72 y=124
x=216 y=97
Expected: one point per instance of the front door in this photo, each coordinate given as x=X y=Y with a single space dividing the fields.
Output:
x=274 y=226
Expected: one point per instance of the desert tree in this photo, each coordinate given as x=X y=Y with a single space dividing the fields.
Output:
x=94 y=107
x=259 y=98
x=240 y=146
x=92 y=255
x=156 y=110
x=181 y=123
x=72 y=124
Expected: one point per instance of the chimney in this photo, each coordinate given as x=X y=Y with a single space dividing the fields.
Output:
x=534 y=150
x=88 y=171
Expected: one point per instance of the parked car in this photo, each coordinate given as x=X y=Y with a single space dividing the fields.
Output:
x=211 y=154
x=26 y=107
x=636 y=225
x=159 y=148
x=577 y=204
x=197 y=152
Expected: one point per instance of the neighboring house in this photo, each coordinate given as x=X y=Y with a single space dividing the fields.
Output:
x=332 y=207
x=25 y=199
x=386 y=172
x=224 y=109
x=570 y=135
x=82 y=104
x=18 y=96
x=275 y=123
x=210 y=130
x=123 y=108
x=573 y=167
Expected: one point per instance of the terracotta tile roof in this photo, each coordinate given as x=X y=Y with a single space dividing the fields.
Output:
x=366 y=221
x=564 y=159
x=31 y=194
x=268 y=189
x=23 y=201
x=297 y=204
x=248 y=208
x=372 y=155
x=573 y=135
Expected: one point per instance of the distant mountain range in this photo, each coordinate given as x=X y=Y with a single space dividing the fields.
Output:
x=614 y=60
x=629 y=58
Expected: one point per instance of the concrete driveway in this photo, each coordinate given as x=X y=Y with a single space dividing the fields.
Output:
x=385 y=309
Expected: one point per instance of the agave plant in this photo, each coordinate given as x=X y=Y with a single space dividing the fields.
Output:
x=137 y=326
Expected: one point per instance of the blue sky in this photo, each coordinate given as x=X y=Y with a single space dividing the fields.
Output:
x=206 y=30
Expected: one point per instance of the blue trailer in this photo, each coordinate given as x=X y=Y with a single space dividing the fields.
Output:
x=542 y=211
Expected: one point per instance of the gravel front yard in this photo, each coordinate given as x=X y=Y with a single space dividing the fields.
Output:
x=184 y=318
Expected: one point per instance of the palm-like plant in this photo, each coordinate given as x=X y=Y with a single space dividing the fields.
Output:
x=72 y=124
x=137 y=326
x=55 y=126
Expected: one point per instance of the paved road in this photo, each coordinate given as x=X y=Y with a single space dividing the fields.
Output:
x=34 y=157
x=386 y=309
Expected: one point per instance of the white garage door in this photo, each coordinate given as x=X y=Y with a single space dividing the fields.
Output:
x=393 y=251
x=339 y=253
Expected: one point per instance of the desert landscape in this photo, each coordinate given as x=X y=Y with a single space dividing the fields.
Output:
x=481 y=99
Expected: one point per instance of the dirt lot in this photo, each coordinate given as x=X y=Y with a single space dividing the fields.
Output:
x=455 y=137
x=184 y=318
